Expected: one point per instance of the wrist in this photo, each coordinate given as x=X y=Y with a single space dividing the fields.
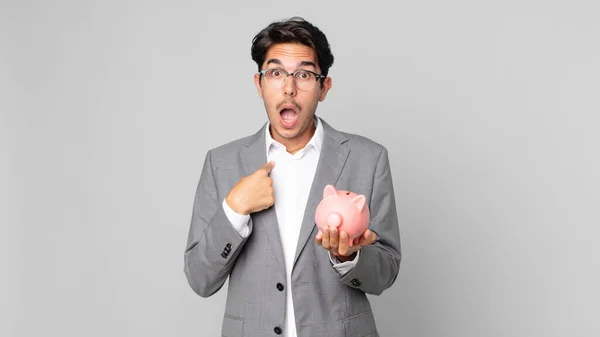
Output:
x=235 y=206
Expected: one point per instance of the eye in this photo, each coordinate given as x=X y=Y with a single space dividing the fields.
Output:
x=275 y=73
x=304 y=75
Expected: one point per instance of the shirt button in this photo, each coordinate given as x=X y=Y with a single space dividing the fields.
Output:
x=279 y=286
x=277 y=330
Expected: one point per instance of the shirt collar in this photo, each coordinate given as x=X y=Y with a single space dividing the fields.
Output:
x=316 y=141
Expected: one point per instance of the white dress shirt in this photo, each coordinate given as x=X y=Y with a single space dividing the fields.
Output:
x=292 y=179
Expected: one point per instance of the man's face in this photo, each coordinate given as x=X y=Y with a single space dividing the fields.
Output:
x=290 y=110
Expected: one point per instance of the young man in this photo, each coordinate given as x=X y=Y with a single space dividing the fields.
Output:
x=254 y=211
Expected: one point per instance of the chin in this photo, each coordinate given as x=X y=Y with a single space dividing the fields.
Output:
x=288 y=133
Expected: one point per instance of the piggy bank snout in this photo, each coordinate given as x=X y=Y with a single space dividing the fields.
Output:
x=334 y=219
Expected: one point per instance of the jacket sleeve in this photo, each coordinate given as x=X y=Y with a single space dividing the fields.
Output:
x=213 y=243
x=378 y=266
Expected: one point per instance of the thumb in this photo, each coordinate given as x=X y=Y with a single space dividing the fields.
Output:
x=268 y=167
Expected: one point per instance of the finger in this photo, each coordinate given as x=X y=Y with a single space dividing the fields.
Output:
x=372 y=236
x=271 y=196
x=319 y=238
x=333 y=237
x=325 y=240
x=367 y=238
x=343 y=247
x=364 y=239
x=350 y=242
x=268 y=167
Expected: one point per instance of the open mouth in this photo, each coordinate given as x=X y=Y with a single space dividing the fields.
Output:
x=288 y=114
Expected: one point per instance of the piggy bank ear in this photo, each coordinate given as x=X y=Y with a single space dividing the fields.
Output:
x=329 y=191
x=360 y=201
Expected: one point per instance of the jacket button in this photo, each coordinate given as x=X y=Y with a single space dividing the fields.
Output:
x=277 y=330
x=279 y=286
x=355 y=282
x=224 y=255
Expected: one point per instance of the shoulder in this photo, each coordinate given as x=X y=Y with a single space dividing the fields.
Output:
x=230 y=147
x=361 y=143
x=357 y=143
x=227 y=155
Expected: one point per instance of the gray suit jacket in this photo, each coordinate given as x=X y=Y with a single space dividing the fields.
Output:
x=325 y=303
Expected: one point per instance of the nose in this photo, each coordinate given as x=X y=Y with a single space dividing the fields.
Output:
x=289 y=88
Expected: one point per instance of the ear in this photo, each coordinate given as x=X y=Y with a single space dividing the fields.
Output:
x=257 y=83
x=325 y=88
x=360 y=201
x=329 y=191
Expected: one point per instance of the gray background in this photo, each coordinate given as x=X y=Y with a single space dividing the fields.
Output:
x=489 y=110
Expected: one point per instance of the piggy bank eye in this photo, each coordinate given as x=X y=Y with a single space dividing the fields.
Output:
x=347 y=193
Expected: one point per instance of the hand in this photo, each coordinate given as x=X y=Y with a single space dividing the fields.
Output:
x=253 y=193
x=337 y=243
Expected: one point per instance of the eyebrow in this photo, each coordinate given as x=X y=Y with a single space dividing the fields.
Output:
x=303 y=63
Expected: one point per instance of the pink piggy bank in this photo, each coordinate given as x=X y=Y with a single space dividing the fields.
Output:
x=345 y=210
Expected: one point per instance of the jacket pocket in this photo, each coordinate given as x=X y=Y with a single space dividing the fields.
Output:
x=232 y=326
x=361 y=325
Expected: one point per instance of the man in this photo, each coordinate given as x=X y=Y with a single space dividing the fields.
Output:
x=254 y=211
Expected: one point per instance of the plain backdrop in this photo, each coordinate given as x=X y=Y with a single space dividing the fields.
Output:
x=489 y=109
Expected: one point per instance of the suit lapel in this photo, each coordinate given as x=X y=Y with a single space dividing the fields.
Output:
x=331 y=162
x=253 y=156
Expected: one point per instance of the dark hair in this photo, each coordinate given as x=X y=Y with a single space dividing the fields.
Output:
x=294 y=30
